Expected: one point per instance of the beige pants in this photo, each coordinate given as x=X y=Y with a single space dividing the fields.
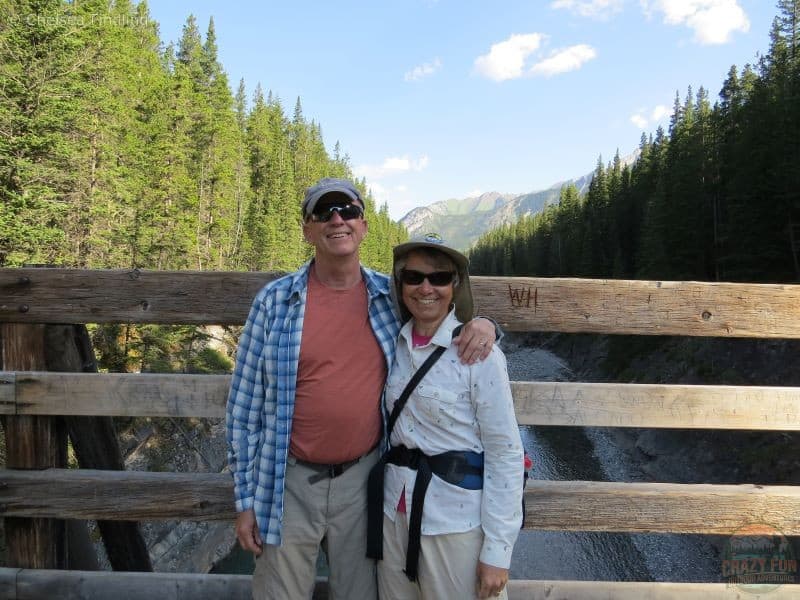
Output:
x=448 y=564
x=332 y=514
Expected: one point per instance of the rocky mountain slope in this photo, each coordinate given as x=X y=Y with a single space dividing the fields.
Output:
x=464 y=220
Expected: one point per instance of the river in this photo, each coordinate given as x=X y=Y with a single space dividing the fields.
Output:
x=564 y=453
x=591 y=454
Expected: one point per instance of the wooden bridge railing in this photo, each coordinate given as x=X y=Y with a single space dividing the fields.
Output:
x=36 y=296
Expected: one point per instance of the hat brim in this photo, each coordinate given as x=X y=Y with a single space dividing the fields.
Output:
x=310 y=202
x=462 y=293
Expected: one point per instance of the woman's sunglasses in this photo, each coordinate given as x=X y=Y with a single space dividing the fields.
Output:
x=348 y=212
x=437 y=278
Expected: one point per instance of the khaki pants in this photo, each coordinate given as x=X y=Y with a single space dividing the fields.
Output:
x=448 y=564
x=331 y=513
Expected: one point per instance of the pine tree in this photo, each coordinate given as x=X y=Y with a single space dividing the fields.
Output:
x=224 y=140
x=595 y=250
x=788 y=22
x=653 y=257
x=122 y=77
x=242 y=193
x=174 y=193
x=273 y=242
x=39 y=63
x=213 y=151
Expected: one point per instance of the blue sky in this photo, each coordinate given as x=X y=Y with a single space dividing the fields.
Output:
x=437 y=99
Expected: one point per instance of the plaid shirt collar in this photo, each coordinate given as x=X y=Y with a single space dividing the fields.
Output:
x=376 y=286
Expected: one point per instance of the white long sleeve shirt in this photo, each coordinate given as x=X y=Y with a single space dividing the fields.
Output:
x=459 y=407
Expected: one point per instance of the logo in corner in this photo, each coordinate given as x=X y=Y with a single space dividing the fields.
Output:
x=758 y=559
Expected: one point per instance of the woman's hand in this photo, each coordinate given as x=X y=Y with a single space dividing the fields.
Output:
x=475 y=340
x=491 y=580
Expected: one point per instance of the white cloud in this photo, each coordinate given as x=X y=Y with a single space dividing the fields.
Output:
x=564 y=60
x=396 y=163
x=506 y=60
x=641 y=120
x=378 y=192
x=713 y=21
x=392 y=165
x=397 y=198
x=424 y=70
x=659 y=112
x=383 y=180
x=596 y=9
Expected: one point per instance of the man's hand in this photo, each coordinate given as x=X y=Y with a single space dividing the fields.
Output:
x=491 y=580
x=475 y=340
x=247 y=532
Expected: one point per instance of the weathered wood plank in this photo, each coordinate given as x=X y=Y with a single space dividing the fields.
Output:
x=639 y=590
x=117 y=495
x=8 y=387
x=88 y=585
x=16 y=584
x=127 y=296
x=97 y=585
x=640 y=307
x=120 y=394
x=660 y=507
x=32 y=442
x=95 y=445
x=8 y=583
x=537 y=403
x=556 y=505
x=518 y=303
x=657 y=406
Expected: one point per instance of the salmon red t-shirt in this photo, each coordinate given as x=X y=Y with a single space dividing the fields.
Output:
x=340 y=377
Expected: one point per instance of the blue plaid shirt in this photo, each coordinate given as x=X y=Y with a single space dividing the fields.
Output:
x=261 y=399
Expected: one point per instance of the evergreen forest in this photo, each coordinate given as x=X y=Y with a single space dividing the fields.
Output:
x=118 y=151
x=715 y=198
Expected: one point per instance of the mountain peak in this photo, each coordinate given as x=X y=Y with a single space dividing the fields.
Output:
x=462 y=221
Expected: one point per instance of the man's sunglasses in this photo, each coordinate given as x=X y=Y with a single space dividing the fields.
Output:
x=324 y=213
x=437 y=278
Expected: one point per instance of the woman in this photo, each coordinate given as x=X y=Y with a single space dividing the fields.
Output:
x=457 y=423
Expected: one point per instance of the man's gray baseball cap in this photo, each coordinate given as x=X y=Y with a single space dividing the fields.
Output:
x=327 y=186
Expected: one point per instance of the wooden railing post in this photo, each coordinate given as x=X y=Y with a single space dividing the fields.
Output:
x=32 y=442
x=68 y=348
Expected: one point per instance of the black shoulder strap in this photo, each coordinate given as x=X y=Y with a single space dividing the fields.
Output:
x=413 y=382
x=375 y=479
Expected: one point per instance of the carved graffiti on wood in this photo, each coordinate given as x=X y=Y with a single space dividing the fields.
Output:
x=521 y=297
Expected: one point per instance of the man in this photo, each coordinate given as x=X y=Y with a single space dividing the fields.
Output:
x=303 y=414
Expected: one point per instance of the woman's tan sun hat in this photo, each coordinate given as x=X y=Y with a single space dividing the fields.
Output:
x=462 y=293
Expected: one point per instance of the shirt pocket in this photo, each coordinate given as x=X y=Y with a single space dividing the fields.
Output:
x=436 y=402
x=394 y=387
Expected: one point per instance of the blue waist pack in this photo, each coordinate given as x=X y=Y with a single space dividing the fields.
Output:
x=458 y=467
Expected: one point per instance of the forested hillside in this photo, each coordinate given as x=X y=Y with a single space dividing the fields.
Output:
x=116 y=151
x=717 y=197
x=119 y=152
